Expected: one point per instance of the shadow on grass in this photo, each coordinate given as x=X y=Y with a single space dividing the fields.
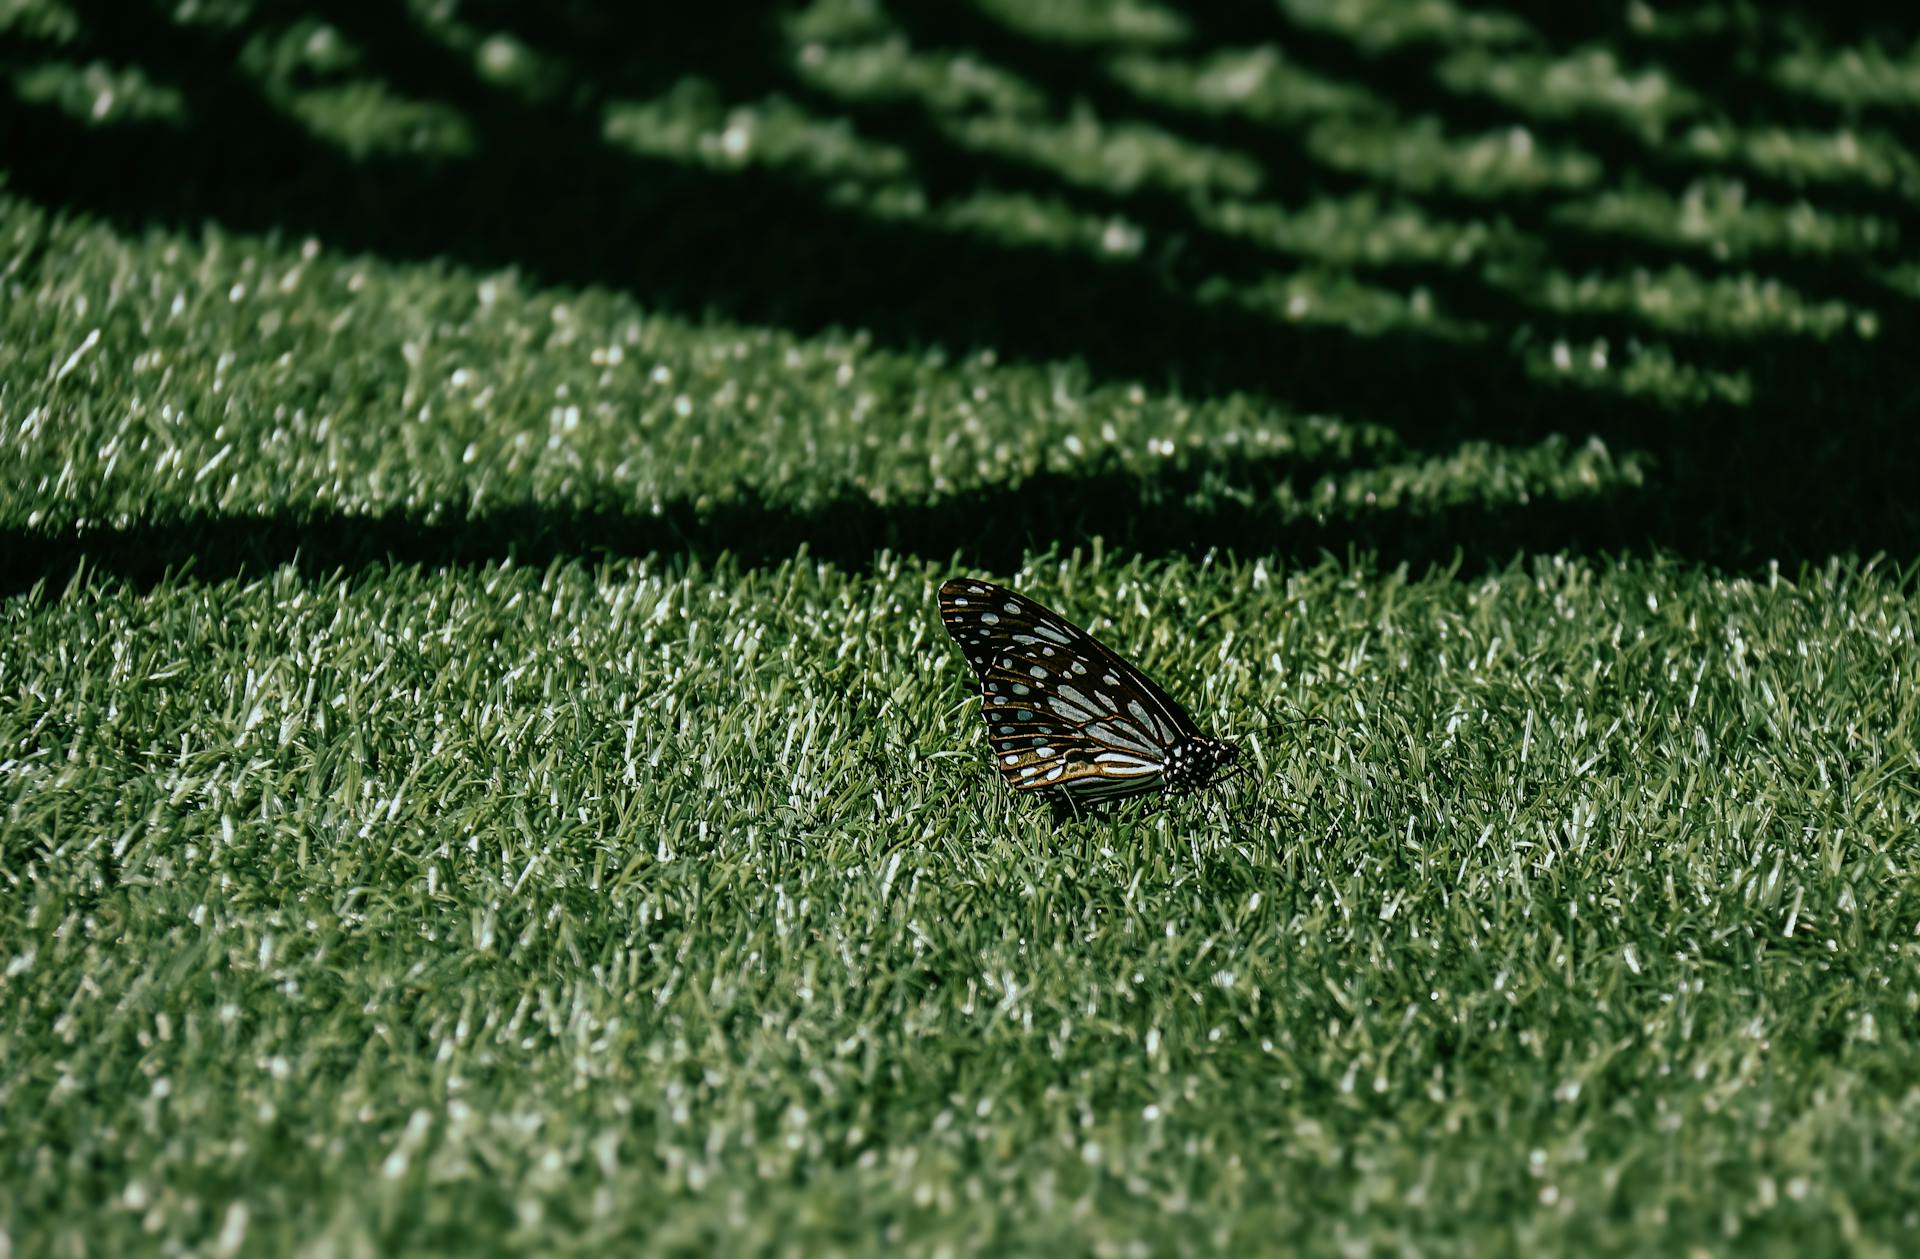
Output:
x=541 y=189
x=992 y=529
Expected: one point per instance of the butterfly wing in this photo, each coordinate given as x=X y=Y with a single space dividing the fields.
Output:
x=1063 y=712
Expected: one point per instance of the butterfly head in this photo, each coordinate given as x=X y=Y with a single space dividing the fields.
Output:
x=1193 y=763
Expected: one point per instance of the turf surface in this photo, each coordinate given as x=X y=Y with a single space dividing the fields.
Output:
x=482 y=771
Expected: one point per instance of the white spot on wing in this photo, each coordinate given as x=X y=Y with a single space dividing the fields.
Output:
x=1037 y=672
x=1073 y=716
x=1061 y=701
x=1146 y=722
x=1120 y=735
x=1051 y=632
x=988 y=618
x=1012 y=607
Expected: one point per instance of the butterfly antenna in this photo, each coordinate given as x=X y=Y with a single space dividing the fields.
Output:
x=1304 y=719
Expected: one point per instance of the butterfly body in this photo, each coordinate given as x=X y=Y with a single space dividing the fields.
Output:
x=1065 y=714
x=1192 y=765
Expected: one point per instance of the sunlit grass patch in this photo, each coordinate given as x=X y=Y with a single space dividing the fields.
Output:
x=304 y=49
x=1480 y=476
x=1651 y=373
x=1365 y=229
x=1872 y=159
x=99 y=93
x=1097 y=23
x=693 y=124
x=1258 y=83
x=1384 y=25
x=1024 y=219
x=1419 y=157
x=1125 y=157
x=888 y=70
x=1716 y=216
x=1860 y=77
x=364 y=118
x=1591 y=81
x=1677 y=299
x=454 y=396
x=1340 y=301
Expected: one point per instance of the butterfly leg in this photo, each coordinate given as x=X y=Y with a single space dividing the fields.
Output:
x=1217 y=809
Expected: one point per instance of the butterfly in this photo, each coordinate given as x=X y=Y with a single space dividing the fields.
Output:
x=1065 y=714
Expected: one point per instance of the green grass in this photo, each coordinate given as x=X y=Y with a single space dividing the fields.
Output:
x=481 y=770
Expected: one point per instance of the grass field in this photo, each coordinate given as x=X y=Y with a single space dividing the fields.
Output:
x=483 y=772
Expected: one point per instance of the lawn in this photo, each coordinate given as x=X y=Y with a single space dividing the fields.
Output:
x=481 y=770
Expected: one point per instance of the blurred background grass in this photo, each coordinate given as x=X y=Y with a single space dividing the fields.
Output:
x=483 y=772
x=1435 y=279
